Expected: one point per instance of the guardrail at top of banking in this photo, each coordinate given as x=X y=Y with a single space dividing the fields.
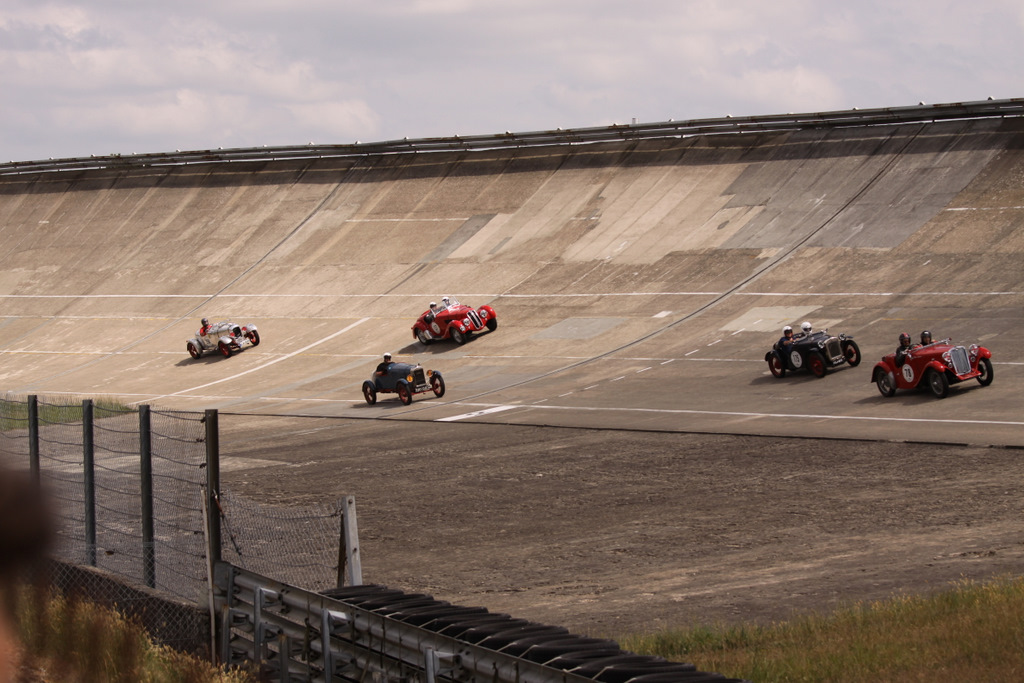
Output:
x=569 y=136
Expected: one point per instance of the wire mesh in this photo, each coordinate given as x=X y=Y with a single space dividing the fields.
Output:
x=295 y=545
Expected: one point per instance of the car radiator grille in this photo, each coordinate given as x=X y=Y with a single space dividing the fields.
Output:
x=961 y=364
x=418 y=377
x=474 y=318
x=833 y=348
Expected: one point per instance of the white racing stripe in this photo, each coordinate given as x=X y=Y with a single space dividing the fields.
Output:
x=477 y=413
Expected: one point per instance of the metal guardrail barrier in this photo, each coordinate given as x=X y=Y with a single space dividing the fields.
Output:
x=570 y=136
x=371 y=633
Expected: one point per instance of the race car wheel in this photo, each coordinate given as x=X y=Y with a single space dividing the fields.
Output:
x=369 y=393
x=852 y=353
x=423 y=337
x=437 y=384
x=776 y=366
x=254 y=337
x=985 y=368
x=886 y=383
x=404 y=393
x=938 y=383
x=816 y=364
x=196 y=353
x=458 y=336
x=492 y=324
x=225 y=350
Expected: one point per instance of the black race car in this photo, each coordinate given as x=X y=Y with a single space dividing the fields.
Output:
x=815 y=352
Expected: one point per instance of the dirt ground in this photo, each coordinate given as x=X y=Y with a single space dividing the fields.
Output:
x=616 y=532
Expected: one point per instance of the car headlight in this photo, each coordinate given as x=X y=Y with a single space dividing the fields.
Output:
x=973 y=351
x=483 y=313
x=947 y=359
x=408 y=378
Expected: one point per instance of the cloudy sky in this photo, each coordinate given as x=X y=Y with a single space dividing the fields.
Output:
x=123 y=76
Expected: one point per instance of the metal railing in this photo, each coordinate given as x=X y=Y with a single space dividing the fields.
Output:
x=570 y=136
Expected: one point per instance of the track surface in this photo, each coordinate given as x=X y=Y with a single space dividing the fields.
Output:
x=616 y=455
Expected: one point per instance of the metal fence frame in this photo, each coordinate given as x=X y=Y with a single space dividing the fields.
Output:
x=726 y=125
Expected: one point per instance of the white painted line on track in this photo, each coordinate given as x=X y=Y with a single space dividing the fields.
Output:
x=267 y=364
x=682 y=411
x=477 y=413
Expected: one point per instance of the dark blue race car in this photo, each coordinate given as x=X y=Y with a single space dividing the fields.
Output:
x=405 y=380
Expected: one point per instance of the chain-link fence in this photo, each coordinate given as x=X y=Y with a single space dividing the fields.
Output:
x=128 y=487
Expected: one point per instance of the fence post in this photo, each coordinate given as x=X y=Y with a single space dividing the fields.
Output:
x=146 y=483
x=348 y=546
x=89 y=478
x=213 y=482
x=33 y=437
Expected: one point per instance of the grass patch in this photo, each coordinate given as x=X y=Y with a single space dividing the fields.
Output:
x=56 y=410
x=973 y=631
x=68 y=640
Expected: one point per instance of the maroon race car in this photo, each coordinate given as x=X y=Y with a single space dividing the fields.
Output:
x=936 y=366
x=453 y=320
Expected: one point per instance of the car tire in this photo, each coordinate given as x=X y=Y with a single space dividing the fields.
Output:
x=985 y=368
x=224 y=349
x=852 y=353
x=437 y=384
x=492 y=324
x=369 y=392
x=886 y=383
x=423 y=336
x=775 y=365
x=254 y=337
x=197 y=354
x=937 y=382
x=816 y=364
x=404 y=393
x=458 y=336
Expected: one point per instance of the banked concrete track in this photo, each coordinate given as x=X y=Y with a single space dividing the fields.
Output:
x=637 y=284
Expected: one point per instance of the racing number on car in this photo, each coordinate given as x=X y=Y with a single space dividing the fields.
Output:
x=436 y=328
x=795 y=359
x=908 y=373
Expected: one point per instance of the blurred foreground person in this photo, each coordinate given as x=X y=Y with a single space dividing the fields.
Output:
x=26 y=530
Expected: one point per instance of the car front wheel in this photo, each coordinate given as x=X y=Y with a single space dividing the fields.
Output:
x=423 y=337
x=816 y=364
x=404 y=393
x=492 y=324
x=369 y=393
x=852 y=353
x=437 y=384
x=458 y=336
x=194 y=352
x=985 y=368
x=225 y=350
x=938 y=383
x=254 y=337
x=885 y=383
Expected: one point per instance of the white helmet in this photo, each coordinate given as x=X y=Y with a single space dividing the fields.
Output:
x=806 y=327
x=786 y=329
x=445 y=300
x=433 y=304
x=387 y=356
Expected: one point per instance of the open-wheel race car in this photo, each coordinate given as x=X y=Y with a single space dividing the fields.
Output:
x=935 y=366
x=224 y=337
x=816 y=352
x=405 y=380
x=453 y=320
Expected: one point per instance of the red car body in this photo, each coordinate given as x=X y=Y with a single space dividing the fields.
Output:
x=456 y=321
x=935 y=366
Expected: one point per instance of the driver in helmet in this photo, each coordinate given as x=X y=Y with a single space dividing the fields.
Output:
x=204 y=328
x=926 y=338
x=382 y=368
x=903 y=350
x=783 y=345
x=805 y=329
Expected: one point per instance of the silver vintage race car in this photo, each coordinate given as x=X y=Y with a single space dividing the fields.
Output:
x=225 y=337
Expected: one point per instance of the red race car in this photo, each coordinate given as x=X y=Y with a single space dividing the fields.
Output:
x=453 y=320
x=936 y=366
